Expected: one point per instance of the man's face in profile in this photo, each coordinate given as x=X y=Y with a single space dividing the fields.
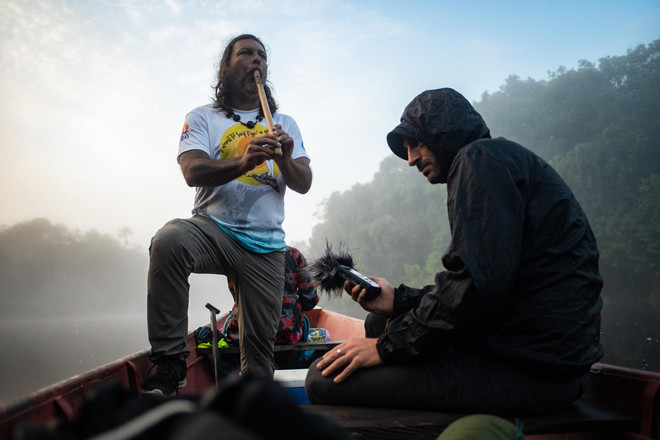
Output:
x=421 y=156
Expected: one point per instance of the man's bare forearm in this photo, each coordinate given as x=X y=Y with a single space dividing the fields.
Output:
x=297 y=174
x=200 y=171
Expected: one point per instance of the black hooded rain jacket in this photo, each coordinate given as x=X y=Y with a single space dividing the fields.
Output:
x=521 y=274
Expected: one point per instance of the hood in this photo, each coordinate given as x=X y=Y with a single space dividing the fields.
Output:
x=441 y=119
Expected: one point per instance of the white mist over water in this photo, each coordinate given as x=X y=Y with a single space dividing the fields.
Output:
x=39 y=352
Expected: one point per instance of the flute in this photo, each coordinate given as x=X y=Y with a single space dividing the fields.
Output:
x=265 y=107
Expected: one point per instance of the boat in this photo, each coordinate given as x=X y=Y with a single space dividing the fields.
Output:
x=620 y=403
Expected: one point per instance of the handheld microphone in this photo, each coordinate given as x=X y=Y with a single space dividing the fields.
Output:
x=333 y=268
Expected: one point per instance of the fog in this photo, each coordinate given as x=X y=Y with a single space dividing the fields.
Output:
x=93 y=100
x=94 y=93
x=71 y=301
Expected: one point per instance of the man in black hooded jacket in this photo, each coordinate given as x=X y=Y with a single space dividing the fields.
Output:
x=512 y=324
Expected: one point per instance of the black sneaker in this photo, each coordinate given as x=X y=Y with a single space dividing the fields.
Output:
x=170 y=375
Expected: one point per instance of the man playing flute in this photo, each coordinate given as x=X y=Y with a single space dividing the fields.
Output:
x=227 y=153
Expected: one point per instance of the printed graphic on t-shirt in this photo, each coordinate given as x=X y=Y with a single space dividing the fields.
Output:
x=184 y=133
x=234 y=142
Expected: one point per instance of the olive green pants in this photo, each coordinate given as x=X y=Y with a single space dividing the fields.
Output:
x=198 y=245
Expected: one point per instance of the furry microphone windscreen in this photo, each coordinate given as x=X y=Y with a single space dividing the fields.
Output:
x=324 y=270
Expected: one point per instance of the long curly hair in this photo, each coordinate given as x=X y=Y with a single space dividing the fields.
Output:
x=222 y=94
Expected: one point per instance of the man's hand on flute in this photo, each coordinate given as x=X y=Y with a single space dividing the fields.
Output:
x=286 y=143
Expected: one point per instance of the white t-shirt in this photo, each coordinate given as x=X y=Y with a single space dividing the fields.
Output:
x=250 y=209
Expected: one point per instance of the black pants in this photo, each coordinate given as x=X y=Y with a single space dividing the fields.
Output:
x=456 y=380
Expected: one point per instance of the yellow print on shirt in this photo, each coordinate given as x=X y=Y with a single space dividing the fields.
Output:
x=233 y=144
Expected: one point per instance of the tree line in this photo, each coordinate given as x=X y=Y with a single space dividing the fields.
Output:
x=596 y=125
x=48 y=270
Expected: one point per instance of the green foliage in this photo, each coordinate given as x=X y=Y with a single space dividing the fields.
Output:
x=47 y=271
x=389 y=225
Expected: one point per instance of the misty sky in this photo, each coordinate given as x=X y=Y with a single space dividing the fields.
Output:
x=94 y=92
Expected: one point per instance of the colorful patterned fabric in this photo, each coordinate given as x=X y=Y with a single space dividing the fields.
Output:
x=299 y=295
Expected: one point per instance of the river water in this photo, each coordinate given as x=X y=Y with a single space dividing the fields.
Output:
x=36 y=353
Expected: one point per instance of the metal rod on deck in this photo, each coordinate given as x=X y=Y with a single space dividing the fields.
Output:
x=214 y=347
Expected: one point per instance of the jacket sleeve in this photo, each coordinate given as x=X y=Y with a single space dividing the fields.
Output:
x=486 y=215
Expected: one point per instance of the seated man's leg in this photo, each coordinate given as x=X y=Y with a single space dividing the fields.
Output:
x=455 y=381
x=259 y=288
x=374 y=325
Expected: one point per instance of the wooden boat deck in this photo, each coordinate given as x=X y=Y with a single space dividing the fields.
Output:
x=619 y=403
x=386 y=423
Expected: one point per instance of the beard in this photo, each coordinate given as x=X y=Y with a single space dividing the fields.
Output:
x=436 y=177
x=434 y=171
x=242 y=83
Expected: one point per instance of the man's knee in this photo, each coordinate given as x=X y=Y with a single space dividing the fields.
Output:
x=374 y=325
x=315 y=384
x=171 y=236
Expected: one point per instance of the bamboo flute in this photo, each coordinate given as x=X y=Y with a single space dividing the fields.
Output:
x=265 y=107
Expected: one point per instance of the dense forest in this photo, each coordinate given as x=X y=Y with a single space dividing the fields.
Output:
x=48 y=270
x=596 y=125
